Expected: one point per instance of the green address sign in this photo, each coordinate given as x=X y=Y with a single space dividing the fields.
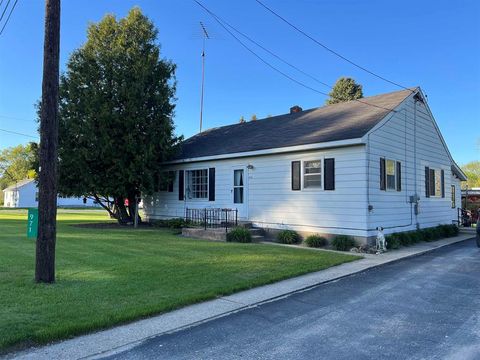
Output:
x=32 y=225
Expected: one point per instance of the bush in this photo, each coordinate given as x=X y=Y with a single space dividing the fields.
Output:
x=448 y=230
x=288 y=237
x=393 y=242
x=415 y=237
x=343 y=242
x=315 y=241
x=239 y=234
x=175 y=223
x=404 y=238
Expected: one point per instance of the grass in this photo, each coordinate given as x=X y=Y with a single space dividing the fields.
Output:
x=111 y=276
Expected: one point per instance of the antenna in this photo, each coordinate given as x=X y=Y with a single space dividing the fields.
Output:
x=205 y=37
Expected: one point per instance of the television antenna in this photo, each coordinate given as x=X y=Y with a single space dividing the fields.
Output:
x=205 y=37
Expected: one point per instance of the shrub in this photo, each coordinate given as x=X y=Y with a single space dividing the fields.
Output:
x=393 y=242
x=175 y=223
x=448 y=230
x=239 y=234
x=404 y=239
x=343 y=242
x=288 y=237
x=315 y=241
x=415 y=237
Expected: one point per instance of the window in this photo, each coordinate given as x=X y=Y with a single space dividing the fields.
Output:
x=312 y=174
x=390 y=174
x=197 y=184
x=434 y=182
x=454 y=205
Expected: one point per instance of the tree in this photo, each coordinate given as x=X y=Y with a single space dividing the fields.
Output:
x=472 y=170
x=242 y=120
x=254 y=117
x=345 y=89
x=47 y=177
x=116 y=109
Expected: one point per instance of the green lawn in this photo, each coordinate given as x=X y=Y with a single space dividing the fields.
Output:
x=106 y=277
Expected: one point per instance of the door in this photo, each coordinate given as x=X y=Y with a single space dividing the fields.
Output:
x=240 y=192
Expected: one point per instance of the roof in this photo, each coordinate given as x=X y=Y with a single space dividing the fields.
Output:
x=18 y=184
x=348 y=120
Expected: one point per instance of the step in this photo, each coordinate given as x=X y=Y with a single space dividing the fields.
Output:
x=258 y=238
x=255 y=231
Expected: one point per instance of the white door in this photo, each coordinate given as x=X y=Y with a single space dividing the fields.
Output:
x=240 y=191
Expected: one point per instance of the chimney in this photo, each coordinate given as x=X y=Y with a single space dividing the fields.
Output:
x=295 y=109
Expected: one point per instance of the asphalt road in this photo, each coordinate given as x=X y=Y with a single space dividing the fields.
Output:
x=427 y=307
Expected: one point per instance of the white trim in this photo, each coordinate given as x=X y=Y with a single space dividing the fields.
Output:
x=287 y=149
x=313 y=158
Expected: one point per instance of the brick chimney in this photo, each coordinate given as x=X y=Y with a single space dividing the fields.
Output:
x=295 y=109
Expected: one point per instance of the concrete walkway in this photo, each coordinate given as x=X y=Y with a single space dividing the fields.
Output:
x=123 y=337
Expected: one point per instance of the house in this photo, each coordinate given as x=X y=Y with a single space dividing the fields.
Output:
x=346 y=168
x=24 y=194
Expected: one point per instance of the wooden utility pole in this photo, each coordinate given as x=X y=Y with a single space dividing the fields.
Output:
x=47 y=184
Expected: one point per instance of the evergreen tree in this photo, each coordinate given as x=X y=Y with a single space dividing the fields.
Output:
x=345 y=89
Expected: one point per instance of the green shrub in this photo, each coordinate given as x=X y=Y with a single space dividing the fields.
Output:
x=288 y=237
x=393 y=242
x=404 y=239
x=415 y=236
x=448 y=230
x=315 y=241
x=343 y=242
x=175 y=223
x=428 y=234
x=239 y=234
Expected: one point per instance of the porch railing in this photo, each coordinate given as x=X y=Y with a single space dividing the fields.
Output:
x=212 y=217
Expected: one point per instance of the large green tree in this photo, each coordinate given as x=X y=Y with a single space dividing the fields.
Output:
x=472 y=170
x=345 y=89
x=116 y=114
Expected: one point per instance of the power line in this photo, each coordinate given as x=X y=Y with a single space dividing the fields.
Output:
x=4 y=10
x=218 y=20
x=274 y=55
x=329 y=49
x=18 y=133
x=10 y=14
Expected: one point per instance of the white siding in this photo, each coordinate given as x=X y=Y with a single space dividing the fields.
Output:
x=272 y=203
x=395 y=139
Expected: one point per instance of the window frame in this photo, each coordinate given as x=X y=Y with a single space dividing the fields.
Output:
x=394 y=174
x=188 y=193
x=322 y=170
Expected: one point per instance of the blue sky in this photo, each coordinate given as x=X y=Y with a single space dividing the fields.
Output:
x=433 y=44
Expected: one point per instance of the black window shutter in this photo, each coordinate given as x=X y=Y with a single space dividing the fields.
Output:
x=181 y=185
x=382 y=174
x=211 y=184
x=427 y=181
x=296 y=175
x=432 y=182
x=329 y=174
x=399 y=176
x=171 y=180
x=443 y=183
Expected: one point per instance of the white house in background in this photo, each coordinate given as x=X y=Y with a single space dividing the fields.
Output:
x=345 y=168
x=25 y=194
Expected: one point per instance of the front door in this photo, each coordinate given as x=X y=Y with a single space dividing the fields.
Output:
x=239 y=192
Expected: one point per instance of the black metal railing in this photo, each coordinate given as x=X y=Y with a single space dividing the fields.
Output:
x=212 y=218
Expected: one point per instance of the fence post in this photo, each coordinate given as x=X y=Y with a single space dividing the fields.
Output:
x=205 y=218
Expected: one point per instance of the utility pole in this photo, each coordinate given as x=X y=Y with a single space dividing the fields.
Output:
x=47 y=184
x=205 y=37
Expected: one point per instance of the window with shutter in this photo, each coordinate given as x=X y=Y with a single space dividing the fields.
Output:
x=382 y=174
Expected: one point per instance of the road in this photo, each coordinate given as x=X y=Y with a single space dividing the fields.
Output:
x=426 y=307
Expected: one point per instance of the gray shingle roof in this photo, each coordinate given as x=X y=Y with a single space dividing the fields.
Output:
x=348 y=120
x=19 y=184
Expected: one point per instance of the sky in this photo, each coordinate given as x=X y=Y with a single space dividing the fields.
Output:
x=431 y=44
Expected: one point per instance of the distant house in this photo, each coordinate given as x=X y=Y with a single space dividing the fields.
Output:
x=25 y=194
x=345 y=168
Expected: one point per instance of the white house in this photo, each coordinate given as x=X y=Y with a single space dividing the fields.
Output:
x=339 y=169
x=24 y=194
